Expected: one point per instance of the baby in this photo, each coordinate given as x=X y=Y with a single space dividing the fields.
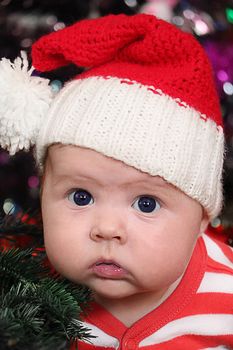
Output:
x=131 y=153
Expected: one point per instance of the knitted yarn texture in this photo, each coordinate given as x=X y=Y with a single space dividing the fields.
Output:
x=141 y=48
x=146 y=97
x=24 y=103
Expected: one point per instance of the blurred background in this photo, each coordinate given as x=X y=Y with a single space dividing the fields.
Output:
x=22 y=22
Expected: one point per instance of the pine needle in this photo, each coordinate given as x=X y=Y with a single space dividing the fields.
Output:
x=37 y=311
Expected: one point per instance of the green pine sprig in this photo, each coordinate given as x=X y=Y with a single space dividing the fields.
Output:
x=38 y=311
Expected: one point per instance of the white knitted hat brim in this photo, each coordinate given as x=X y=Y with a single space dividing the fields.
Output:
x=144 y=128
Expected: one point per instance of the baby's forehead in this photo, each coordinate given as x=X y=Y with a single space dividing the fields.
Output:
x=72 y=161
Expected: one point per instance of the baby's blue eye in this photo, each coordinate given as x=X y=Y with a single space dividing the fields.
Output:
x=146 y=204
x=81 y=197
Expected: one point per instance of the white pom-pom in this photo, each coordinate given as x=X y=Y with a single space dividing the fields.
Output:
x=24 y=103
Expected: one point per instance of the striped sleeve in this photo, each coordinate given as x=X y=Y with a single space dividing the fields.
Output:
x=207 y=323
x=204 y=322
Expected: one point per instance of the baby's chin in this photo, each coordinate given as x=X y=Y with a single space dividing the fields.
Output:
x=112 y=289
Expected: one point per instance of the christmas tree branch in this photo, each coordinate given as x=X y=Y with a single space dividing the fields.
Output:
x=39 y=310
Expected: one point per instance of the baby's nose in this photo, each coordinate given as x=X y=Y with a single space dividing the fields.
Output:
x=109 y=229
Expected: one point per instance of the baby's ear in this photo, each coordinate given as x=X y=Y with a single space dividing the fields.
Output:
x=204 y=222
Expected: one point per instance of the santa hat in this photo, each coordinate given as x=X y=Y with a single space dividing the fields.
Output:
x=146 y=98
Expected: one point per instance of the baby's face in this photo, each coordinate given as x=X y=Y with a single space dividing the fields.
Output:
x=113 y=228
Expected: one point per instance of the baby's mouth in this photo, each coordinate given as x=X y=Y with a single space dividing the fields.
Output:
x=108 y=269
x=107 y=262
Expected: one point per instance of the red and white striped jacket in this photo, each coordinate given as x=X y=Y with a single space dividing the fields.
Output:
x=197 y=315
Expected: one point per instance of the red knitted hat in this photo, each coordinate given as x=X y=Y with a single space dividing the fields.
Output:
x=140 y=48
x=146 y=97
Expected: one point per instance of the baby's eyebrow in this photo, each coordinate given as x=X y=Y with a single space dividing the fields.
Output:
x=58 y=178
x=146 y=183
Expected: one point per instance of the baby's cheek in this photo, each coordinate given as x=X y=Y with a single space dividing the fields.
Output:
x=167 y=263
x=64 y=256
x=176 y=261
x=59 y=260
x=55 y=245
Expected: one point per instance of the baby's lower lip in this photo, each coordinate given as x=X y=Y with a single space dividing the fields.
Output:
x=108 y=270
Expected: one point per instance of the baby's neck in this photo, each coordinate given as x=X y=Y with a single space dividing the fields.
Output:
x=131 y=309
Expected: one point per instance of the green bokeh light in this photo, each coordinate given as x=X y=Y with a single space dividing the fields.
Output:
x=229 y=14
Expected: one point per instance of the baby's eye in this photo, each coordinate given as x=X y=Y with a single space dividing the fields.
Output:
x=81 y=197
x=146 y=204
